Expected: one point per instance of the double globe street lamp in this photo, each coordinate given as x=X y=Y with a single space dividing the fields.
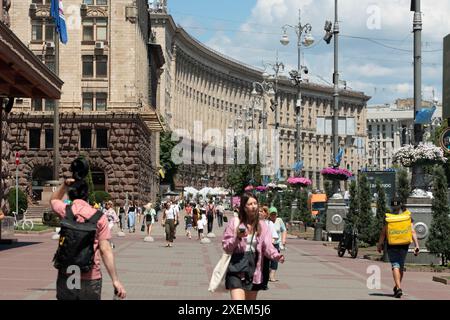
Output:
x=296 y=75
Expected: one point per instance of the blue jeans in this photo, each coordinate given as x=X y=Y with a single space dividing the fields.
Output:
x=131 y=220
x=274 y=263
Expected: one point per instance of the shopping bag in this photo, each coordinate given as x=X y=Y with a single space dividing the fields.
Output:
x=219 y=272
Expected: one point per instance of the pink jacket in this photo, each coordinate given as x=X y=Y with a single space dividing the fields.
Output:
x=232 y=244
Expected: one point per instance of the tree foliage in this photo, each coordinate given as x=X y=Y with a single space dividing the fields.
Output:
x=23 y=203
x=439 y=240
x=404 y=188
x=352 y=215
x=90 y=183
x=365 y=210
x=378 y=221
x=166 y=146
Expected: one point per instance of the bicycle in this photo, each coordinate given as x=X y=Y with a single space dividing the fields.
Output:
x=24 y=223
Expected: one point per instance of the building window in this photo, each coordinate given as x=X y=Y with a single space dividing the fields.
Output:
x=35 y=139
x=85 y=138
x=48 y=138
x=95 y=29
x=36 y=105
x=88 y=66
x=99 y=100
x=50 y=105
x=101 y=66
x=102 y=138
x=42 y=30
x=97 y=2
x=49 y=61
x=88 y=101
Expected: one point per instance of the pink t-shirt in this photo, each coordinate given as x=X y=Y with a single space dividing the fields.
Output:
x=82 y=211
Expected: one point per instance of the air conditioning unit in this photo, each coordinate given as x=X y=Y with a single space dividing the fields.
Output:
x=50 y=45
x=99 y=45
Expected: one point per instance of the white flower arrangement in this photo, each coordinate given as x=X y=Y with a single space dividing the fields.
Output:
x=409 y=155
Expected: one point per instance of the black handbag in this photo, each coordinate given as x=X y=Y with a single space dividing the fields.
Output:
x=243 y=263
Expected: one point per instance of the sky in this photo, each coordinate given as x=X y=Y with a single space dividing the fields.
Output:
x=375 y=43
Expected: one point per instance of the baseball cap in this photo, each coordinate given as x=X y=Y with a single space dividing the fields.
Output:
x=273 y=210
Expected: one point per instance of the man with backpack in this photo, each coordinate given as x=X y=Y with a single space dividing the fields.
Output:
x=84 y=237
x=399 y=231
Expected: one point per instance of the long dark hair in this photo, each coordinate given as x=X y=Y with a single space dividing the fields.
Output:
x=243 y=215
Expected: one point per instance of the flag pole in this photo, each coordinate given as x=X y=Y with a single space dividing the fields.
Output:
x=56 y=118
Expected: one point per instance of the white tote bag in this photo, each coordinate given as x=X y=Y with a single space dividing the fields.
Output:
x=219 y=272
x=221 y=267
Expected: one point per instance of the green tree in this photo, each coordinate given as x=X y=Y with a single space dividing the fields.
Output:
x=436 y=140
x=377 y=223
x=23 y=203
x=285 y=212
x=165 y=158
x=404 y=188
x=439 y=240
x=365 y=209
x=352 y=215
x=90 y=183
x=101 y=196
x=304 y=213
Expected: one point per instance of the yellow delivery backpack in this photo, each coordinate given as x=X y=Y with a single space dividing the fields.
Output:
x=399 y=228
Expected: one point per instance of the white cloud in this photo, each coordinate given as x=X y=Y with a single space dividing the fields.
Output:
x=385 y=77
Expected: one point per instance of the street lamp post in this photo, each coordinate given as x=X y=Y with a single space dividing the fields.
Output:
x=296 y=75
x=335 y=122
x=266 y=89
x=275 y=107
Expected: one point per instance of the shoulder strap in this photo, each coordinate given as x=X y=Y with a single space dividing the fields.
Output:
x=69 y=212
x=94 y=219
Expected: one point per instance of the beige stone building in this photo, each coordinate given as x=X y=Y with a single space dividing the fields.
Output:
x=200 y=84
x=108 y=109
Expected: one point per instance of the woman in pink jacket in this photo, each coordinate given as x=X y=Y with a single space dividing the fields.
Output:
x=247 y=239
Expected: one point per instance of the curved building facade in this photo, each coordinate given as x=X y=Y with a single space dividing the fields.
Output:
x=200 y=85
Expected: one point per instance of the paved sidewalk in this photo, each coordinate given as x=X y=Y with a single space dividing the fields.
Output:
x=153 y=271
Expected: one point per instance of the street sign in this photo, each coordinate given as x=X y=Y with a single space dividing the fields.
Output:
x=17 y=158
x=444 y=140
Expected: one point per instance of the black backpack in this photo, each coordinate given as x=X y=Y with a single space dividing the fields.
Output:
x=76 y=242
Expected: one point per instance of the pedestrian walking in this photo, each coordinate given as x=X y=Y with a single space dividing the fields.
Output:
x=122 y=216
x=201 y=224
x=264 y=216
x=149 y=217
x=195 y=215
x=247 y=239
x=400 y=233
x=279 y=241
x=131 y=214
x=168 y=222
x=210 y=209
x=220 y=210
x=81 y=248
x=112 y=217
x=188 y=224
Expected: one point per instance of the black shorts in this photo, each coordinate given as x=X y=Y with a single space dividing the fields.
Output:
x=232 y=281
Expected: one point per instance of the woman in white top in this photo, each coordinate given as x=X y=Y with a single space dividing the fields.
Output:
x=149 y=216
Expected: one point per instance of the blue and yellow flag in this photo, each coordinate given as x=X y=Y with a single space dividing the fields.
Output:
x=57 y=12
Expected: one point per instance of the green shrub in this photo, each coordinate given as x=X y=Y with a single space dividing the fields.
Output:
x=101 y=196
x=23 y=203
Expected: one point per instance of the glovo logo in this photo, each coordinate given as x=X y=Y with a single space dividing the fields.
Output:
x=61 y=240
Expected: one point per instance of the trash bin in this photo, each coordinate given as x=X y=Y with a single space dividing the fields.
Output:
x=318 y=233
